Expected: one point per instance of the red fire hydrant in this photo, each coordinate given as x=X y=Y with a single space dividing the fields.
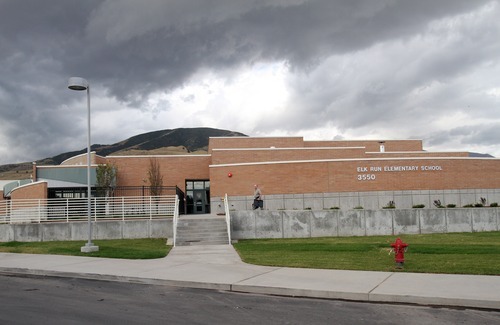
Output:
x=399 y=248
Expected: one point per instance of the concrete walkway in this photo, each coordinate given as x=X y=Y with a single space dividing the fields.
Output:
x=219 y=267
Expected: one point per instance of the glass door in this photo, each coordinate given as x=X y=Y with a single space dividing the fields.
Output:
x=197 y=196
x=200 y=201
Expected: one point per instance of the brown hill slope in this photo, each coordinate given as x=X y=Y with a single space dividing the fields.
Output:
x=163 y=142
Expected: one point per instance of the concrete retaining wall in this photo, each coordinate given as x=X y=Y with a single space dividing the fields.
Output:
x=368 y=200
x=325 y=223
x=278 y=224
x=29 y=232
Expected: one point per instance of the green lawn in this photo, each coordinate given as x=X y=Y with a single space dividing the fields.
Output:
x=462 y=253
x=122 y=248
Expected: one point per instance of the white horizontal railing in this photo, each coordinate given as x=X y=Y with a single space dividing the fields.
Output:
x=75 y=209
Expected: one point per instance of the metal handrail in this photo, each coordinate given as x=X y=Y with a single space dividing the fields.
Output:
x=228 y=218
x=75 y=209
x=176 y=218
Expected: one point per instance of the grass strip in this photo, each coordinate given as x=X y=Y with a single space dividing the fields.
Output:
x=459 y=253
x=120 y=248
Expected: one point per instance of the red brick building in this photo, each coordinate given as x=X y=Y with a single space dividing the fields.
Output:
x=343 y=174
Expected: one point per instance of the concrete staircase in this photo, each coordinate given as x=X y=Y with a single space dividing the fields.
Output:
x=201 y=230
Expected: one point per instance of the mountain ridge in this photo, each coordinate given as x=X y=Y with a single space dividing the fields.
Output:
x=186 y=140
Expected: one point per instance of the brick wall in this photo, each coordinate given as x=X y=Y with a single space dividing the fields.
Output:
x=247 y=142
x=342 y=166
x=99 y=159
x=352 y=176
x=272 y=178
x=133 y=170
x=255 y=155
x=37 y=190
x=232 y=156
x=415 y=154
x=370 y=145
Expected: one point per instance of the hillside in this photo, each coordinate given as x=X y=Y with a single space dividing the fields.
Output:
x=163 y=142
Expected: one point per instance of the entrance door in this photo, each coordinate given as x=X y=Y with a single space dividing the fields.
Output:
x=199 y=201
x=197 y=196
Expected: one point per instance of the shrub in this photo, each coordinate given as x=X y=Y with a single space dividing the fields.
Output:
x=437 y=204
x=494 y=205
x=478 y=205
x=308 y=208
x=390 y=205
x=358 y=207
x=334 y=208
x=451 y=205
x=419 y=206
x=468 y=206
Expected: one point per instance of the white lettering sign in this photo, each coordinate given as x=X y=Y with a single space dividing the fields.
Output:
x=365 y=172
x=431 y=168
x=366 y=177
x=400 y=168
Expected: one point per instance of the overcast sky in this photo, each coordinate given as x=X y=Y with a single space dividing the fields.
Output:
x=325 y=69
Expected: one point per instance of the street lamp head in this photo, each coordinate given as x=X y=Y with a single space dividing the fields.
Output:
x=77 y=83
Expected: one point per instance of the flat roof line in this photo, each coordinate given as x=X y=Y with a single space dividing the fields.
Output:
x=359 y=140
x=263 y=137
x=66 y=166
x=419 y=151
x=350 y=159
x=291 y=148
x=159 y=156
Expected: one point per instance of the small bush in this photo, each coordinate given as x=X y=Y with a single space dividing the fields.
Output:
x=390 y=205
x=358 y=207
x=478 y=205
x=308 y=208
x=494 y=205
x=451 y=205
x=334 y=208
x=437 y=204
x=419 y=206
x=468 y=206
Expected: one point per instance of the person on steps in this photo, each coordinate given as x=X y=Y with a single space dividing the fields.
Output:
x=258 y=201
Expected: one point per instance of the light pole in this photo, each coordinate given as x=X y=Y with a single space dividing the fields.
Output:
x=76 y=83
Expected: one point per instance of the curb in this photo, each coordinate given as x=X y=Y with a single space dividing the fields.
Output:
x=267 y=290
x=114 y=278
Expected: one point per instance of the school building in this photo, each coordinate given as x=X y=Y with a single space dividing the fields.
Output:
x=292 y=174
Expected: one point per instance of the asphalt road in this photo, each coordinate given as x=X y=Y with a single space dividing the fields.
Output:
x=44 y=300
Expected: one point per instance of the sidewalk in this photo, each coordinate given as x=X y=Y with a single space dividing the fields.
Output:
x=219 y=267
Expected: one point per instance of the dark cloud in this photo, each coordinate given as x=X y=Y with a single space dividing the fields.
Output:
x=132 y=63
x=468 y=136
x=353 y=63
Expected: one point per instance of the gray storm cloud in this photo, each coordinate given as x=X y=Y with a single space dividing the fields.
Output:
x=392 y=67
